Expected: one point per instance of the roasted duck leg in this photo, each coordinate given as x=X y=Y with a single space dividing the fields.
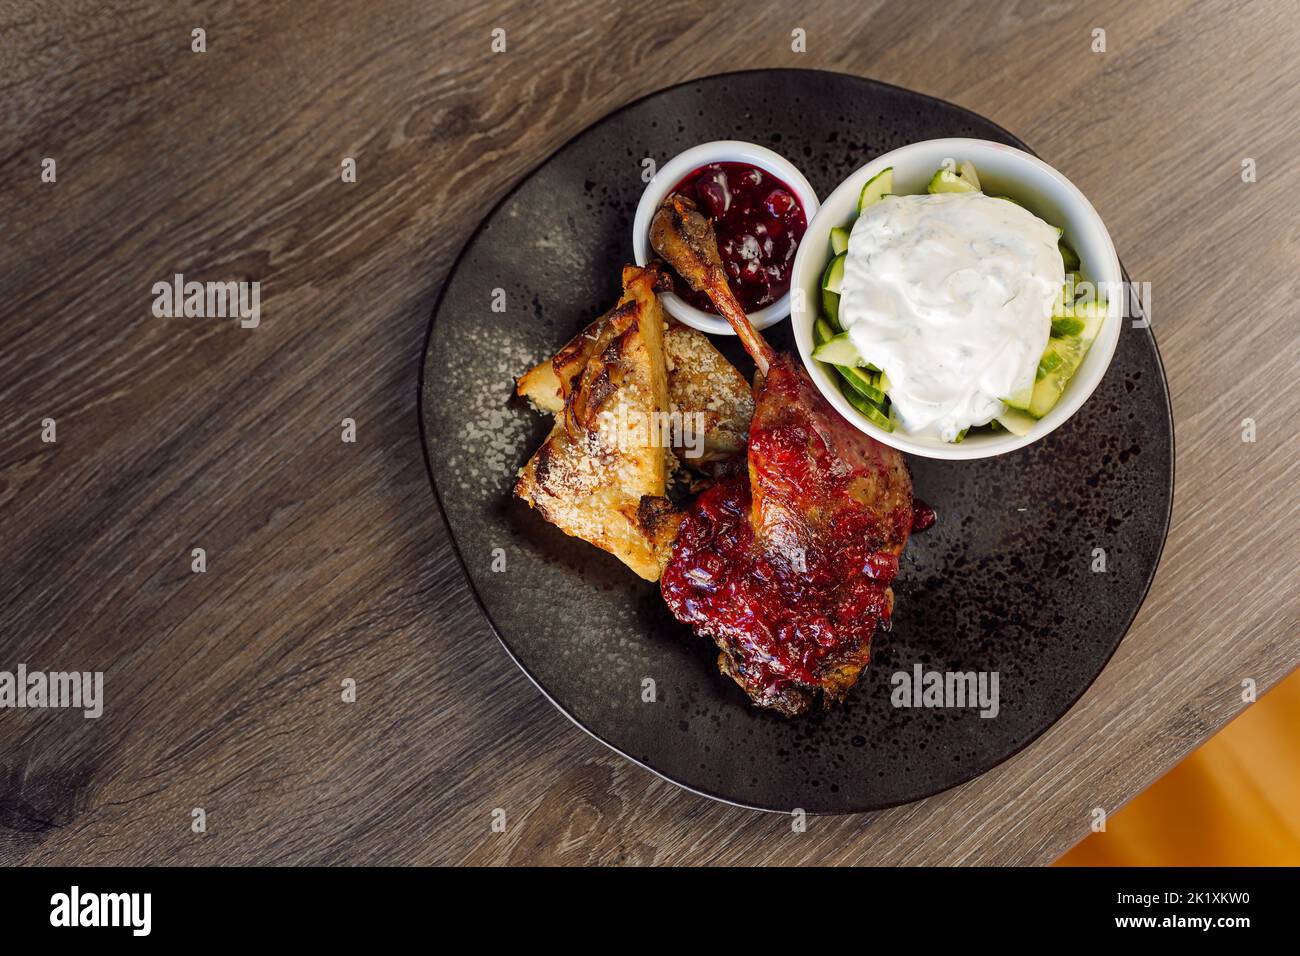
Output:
x=787 y=569
x=685 y=239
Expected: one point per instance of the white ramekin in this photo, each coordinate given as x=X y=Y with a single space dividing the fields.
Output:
x=1003 y=170
x=677 y=169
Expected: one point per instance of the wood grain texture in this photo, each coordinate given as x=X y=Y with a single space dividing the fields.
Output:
x=328 y=561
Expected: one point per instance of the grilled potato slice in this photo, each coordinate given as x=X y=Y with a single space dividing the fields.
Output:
x=602 y=473
x=700 y=382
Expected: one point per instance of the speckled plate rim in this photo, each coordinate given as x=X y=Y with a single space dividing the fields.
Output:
x=464 y=567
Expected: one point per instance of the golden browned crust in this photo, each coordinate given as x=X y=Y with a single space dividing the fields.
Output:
x=601 y=474
x=704 y=386
x=700 y=383
x=659 y=520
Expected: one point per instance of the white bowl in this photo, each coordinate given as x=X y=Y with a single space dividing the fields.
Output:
x=1002 y=170
x=677 y=169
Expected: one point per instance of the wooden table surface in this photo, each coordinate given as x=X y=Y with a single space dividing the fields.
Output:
x=327 y=561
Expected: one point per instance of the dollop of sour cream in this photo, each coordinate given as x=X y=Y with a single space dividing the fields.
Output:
x=951 y=296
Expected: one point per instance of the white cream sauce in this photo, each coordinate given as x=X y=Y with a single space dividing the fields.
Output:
x=951 y=295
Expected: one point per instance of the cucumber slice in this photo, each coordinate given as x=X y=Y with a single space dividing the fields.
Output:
x=834 y=273
x=876 y=188
x=872 y=412
x=859 y=379
x=822 y=331
x=1048 y=389
x=838 y=350
x=879 y=418
x=831 y=307
x=966 y=170
x=862 y=382
x=1064 y=326
x=1009 y=199
x=882 y=382
x=946 y=181
x=1051 y=359
x=1021 y=399
x=839 y=240
x=1068 y=256
x=960 y=435
x=831 y=279
x=1018 y=423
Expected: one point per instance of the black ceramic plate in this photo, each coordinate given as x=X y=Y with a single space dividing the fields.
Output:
x=1003 y=583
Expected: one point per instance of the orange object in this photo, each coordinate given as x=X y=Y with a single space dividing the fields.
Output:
x=1234 y=801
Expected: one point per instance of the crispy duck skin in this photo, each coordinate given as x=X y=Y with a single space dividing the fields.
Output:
x=788 y=572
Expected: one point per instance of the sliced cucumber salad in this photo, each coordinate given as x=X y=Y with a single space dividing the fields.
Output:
x=1076 y=322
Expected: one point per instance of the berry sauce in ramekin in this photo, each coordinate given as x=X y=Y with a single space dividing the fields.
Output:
x=759 y=223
